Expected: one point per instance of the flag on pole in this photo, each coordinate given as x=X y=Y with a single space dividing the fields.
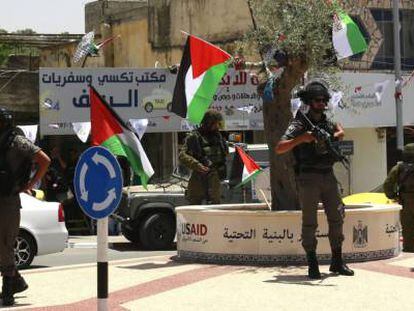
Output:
x=346 y=36
x=244 y=168
x=111 y=132
x=201 y=69
x=88 y=47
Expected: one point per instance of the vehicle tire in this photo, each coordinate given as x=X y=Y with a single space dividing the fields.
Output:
x=169 y=107
x=24 y=250
x=130 y=235
x=157 y=231
x=148 y=107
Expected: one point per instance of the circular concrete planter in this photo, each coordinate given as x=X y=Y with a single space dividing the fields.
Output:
x=251 y=234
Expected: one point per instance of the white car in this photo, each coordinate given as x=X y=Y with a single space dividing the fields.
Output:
x=42 y=230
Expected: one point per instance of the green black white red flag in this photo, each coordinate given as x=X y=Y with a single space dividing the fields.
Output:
x=201 y=69
x=346 y=36
x=244 y=168
x=111 y=132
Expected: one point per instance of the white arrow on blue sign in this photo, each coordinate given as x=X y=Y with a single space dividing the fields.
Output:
x=98 y=182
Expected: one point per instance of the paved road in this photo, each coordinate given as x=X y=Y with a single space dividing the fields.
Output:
x=82 y=249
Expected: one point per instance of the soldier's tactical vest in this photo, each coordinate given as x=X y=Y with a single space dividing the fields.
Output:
x=12 y=182
x=212 y=152
x=315 y=155
x=406 y=177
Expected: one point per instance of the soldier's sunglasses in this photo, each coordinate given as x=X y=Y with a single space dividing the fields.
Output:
x=319 y=100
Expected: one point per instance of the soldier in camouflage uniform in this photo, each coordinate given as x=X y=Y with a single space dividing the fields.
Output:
x=314 y=175
x=204 y=152
x=399 y=185
x=17 y=154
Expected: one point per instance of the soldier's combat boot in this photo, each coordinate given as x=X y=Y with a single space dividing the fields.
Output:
x=338 y=265
x=18 y=285
x=7 y=292
x=313 y=267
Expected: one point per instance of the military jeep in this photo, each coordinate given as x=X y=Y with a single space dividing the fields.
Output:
x=148 y=217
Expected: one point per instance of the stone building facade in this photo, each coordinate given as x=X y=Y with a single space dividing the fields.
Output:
x=151 y=31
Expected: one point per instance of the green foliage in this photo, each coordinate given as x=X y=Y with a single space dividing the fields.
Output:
x=26 y=31
x=7 y=49
x=302 y=28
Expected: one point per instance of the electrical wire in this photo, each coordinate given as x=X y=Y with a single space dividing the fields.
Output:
x=9 y=81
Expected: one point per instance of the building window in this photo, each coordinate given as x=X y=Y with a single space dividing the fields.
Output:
x=385 y=56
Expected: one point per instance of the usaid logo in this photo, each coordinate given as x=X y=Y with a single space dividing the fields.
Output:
x=193 y=229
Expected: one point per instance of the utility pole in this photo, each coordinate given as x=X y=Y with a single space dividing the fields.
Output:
x=398 y=78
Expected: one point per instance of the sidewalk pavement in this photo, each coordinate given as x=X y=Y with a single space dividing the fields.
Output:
x=162 y=283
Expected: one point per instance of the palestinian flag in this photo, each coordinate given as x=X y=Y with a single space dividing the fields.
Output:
x=201 y=69
x=346 y=36
x=110 y=131
x=244 y=168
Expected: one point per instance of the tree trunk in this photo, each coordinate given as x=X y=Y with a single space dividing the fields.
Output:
x=276 y=116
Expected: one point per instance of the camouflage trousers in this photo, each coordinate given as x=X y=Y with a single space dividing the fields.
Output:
x=407 y=221
x=9 y=229
x=204 y=187
x=312 y=188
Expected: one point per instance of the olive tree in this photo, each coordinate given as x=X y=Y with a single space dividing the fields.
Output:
x=298 y=34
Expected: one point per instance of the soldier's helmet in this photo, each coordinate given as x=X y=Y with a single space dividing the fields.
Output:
x=408 y=153
x=313 y=90
x=6 y=118
x=210 y=117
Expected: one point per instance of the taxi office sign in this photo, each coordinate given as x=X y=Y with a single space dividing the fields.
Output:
x=98 y=182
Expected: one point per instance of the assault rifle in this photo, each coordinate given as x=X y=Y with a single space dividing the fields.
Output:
x=322 y=135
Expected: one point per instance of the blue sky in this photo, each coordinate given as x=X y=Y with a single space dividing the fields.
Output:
x=43 y=16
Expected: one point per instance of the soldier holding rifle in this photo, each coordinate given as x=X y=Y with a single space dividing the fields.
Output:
x=310 y=136
x=204 y=152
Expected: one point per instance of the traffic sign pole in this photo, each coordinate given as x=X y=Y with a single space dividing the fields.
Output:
x=98 y=189
x=102 y=259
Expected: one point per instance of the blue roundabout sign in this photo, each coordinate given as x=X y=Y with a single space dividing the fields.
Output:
x=98 y=182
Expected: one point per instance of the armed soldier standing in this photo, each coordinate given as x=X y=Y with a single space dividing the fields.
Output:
x=17 y=154
x=399 y=185
x=310 y=135
x=204 y=152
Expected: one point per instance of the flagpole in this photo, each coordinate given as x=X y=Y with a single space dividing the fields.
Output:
x=398 y=78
